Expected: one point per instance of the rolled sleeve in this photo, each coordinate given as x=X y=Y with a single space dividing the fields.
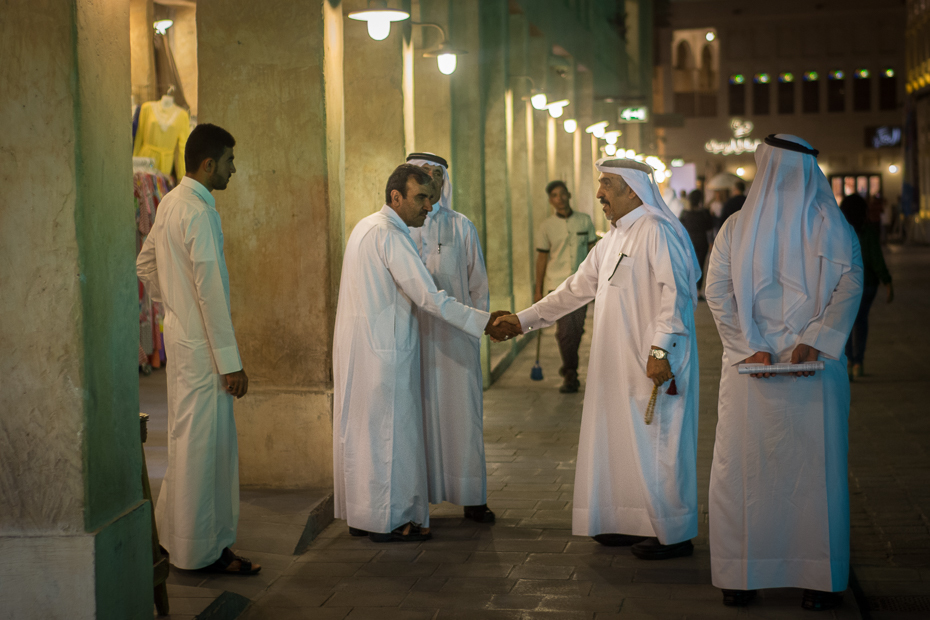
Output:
x=668 y=342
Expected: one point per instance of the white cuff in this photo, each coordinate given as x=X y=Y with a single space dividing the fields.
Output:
x=669 y=342
x=227 y=360
x=529 y=320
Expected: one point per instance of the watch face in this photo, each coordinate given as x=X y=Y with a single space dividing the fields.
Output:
x=659 y=355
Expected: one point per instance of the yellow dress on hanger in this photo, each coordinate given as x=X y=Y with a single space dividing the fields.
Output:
x=162 y=135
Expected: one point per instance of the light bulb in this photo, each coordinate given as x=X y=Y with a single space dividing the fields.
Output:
x=630 y=153
x=571 y=125
x=892 y=169
x=610 y=149
x=740 y=172
x=446 y=63
x=379 y=29
x=599 y=131
x=539 y=101
x=162 y=25
x=611 y=139
x=710 y=36
x=555 y=111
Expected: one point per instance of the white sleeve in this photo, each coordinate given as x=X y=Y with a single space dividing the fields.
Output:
x=410 y=274
x=478 y=288
x=718 y=290
x=203 y=247
x=147 y=268
x=577 y=290
x=669 y=262
x=829 y=331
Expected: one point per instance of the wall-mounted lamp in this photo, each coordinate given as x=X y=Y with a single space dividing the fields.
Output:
x=610 y=149
x=598 y=129
x=710 y=36
x=162 y=25
x=538 y=99
x=740 y=172
x=893 y=169
x=630 y=153
x=445 y=54
x=379 y=18
x=557 y=108
x=612 y=136
x=570 y=125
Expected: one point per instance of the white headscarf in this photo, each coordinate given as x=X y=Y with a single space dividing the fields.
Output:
x=790 y=230
x=646 y=189
x=445 y=198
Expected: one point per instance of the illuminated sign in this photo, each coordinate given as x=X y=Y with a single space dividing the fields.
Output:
x=738 y=144
x=634 y=115
x=882 y=137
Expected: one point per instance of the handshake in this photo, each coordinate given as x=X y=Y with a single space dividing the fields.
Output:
x=503 y=326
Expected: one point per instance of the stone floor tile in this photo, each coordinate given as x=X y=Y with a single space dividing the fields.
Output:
x=376 y=613
x=259 y=611
x=311 y=570
x=694 y=608
x=499 y=571
x=671 y=575
x=529 y=546
x=406 y=553
x=581 y=603
x=396 y=569
x=353 y=598
x=513 y=601
x=342 y=555
x=375 y=584
x=566 y=559
x=486 y=614
x=512 y=558
x=558 y=615
x=448 y=600
x=439 y=556
x=541 y=571
x=556 y=587
x=494 y=585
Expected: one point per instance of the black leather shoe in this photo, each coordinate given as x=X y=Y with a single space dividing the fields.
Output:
x=570 y=386
x=652 y=549
x=479 y=514
x=816 y=600
x=618 y=540
x=738 y=598
x=354 y=531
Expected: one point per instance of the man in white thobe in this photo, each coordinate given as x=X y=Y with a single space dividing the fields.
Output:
x=379 y=454
x=450 y=359
x=635 y=483
x=183 y=266
x=783 y=283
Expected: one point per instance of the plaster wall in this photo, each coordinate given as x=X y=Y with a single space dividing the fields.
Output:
x=586 y=175
x=184 y=49
x=521 y=207
x=376 y=134
x=432 y=89
x=268 y=75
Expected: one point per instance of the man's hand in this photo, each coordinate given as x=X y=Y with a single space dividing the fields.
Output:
x=804 y=353
x=890 y=297
x=760 y=357
x=537 y=296
x=659 y=371
x=237 y=383
x=502 y=326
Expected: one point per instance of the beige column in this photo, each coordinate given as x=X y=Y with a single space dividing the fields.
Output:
x=538 y=62
x=432 y=90
x=74 y=530
x=184 y=37
x=378 y=103
x=521 y=205
x=142 y=50
x=585 y=175
x=270 y=73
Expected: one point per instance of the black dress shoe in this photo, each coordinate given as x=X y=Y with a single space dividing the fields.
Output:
x=570 y=386
x=479 y=514
x=618 y=540
x=354 y=531
x=816 y=600
x=738 y=598
x=652 y=549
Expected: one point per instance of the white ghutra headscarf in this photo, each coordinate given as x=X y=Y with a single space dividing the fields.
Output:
x=639 y=177
x=419 y=159
x=790 y=230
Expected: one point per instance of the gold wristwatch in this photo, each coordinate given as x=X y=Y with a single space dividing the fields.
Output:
x=659 y=354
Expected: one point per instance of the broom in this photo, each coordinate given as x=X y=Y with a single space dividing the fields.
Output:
x=536 y=374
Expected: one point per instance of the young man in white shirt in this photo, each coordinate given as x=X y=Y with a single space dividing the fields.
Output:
x=562 y=242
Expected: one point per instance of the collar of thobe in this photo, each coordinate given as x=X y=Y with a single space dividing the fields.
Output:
x=788 y=222
x=392 y=214
x=198 y=188
x=639 y=177
x=624 y=223
x=445 y=198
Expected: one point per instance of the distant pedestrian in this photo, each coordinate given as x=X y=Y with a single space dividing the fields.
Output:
x=783 y=284
x=734 y=203
x=856 y=210
x=562 y=243
x=698 y=222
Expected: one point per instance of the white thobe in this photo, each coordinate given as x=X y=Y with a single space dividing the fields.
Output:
x=450 y=362
x=379 y=456
x=630 y=477
x=182 y=265
x=779 y=497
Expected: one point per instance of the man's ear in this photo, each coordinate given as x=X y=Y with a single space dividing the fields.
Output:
x=208 y=165
x=395 y=196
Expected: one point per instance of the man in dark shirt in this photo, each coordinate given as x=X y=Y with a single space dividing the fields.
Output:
x=735 y=203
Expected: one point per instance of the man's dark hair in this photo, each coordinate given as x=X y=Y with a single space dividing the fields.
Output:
x=740 y=186
x=398 y=180
x=696 y=198
x=206 y=142
x=554 y=184
x=856 y=210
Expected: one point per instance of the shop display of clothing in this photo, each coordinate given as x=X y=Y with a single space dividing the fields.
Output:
x=162 y=135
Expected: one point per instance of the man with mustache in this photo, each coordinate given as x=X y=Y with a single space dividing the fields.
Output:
x=635 y=479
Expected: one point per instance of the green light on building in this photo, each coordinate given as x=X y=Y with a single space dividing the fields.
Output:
x=762 y=78
x=837 y=75
x=737 y=78
x=862 y=73
x=811 y=76
x=889 y=72
x=786 y=77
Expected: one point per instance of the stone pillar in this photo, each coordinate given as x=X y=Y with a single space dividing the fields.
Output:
x=271 y=74
x=432 y=90
x=142 y=50
x=521 y=205
x=378 y=105
x=74 y=531
x=539 y=54
x=585 y=175
x=184 y=48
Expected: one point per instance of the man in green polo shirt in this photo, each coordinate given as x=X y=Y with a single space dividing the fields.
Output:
x=562 y=243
